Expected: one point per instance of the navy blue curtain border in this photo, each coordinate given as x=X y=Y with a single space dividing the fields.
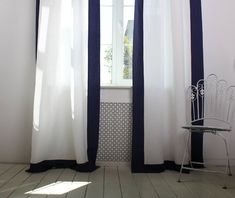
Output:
x=36 y=26
x=93 y=81
x=137 y=162
x=197 y=70
x=93 y=97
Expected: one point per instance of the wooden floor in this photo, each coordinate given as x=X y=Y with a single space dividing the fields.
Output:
x=115 y=182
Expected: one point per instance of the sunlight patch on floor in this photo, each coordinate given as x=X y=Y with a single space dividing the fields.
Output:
x=58 y=188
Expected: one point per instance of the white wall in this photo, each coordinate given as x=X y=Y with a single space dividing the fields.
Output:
x=16 y=78
x=219 y=58
x=120 y=95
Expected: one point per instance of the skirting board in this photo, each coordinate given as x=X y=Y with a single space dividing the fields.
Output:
x=212 y=162
x=219 y=162
x=109 y=163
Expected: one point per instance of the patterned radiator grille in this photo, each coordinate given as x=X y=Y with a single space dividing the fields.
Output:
x=115 y=132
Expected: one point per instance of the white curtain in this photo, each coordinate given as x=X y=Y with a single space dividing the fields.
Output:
x=167 y=72
x=60 y=104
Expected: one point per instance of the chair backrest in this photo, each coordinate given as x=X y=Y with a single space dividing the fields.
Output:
x=211 y=101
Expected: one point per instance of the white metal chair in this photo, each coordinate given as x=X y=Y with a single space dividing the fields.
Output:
x=212 y=103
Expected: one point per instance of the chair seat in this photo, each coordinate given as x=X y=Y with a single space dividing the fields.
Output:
x=204 y=129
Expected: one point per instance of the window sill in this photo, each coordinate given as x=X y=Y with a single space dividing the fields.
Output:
x=116 y=86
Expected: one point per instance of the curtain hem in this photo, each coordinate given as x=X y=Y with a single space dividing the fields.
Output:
x=158 y=168
x=50 y=164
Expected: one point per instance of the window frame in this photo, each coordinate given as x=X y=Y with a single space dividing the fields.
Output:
x=117 y=79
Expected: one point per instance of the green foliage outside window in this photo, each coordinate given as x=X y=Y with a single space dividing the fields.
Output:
x=127 y=65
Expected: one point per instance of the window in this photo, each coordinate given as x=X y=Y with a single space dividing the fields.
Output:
x=117 y=22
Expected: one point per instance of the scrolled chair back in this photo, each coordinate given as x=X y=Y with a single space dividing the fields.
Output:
x=210 y=102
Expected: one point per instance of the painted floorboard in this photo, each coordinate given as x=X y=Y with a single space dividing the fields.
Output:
x=128 y=186
x=215 y=183
x=144 y=185
x=194 y=182
x=4 y=168
x=79 y=192
x=111 y=183
x=179 y=189
x=207 y=184
x=160 y=186
x=28 y=185
x=10 y=173
x=67 y=175
x=51 y=177
x=14 y=183
x=96 y=188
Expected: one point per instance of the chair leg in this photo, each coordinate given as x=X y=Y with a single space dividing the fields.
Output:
x=228 y=171
x=184 y=156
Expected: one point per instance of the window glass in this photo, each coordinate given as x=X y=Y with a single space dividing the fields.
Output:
x=106 y=44
x=106 y=2
x=129 y=2
x=128 y=26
